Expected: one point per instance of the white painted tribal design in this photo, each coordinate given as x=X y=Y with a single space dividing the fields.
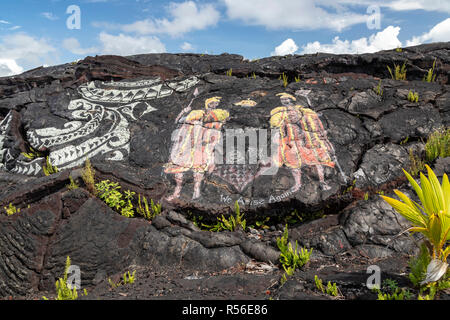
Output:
x=103 y=110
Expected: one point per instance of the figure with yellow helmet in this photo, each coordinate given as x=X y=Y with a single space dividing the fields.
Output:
x=301 y=140
x=193 y=144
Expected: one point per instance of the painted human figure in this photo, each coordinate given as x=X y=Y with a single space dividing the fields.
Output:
x=301 y=140
x=194 y=143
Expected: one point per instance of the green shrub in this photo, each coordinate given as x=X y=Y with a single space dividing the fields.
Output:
x=399 y=72
x=11 y=209
x=416 y=164
x=230 y=72
x=127 y=278
x=413 y=96
x=284 y=77
x=331 y=288
x=418 y=266
x=394 y=292
x=72 y=185
x=148 y=212
x=430 y=76
x=431 y=218
x=33 y=154
x=88 y=176
x=438 y=144
x=110 y=194
x=63 y=292
x=48 y=168
x=378 y=89
x=291 y=258
x=230 y=224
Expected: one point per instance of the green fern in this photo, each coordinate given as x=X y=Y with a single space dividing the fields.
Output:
x=378 y=89
x=399 y=72
x=413 y=96
x=11 y=209
x=48 y=168
x=148 y=212
x=430 y=76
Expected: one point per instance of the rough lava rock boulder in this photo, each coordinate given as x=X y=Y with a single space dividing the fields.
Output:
x=175 y=128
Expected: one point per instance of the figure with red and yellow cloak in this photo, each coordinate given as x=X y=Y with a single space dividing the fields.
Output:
x=301 y=140
x=194 y=144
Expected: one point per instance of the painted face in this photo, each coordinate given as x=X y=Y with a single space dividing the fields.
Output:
x=213 y=104
x=285 y=101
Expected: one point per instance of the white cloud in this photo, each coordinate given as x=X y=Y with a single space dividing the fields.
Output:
x=185 y=17
x=186 y=46
x=4 y=22
x=288 y=14
x=440 y=32
x=127 y=45
x=397 y=5
x=287 y=47
x=426 y=5
x=9 y=67
x=383 y=40
x=73 y=45
x=49 y=16
x=19 y=51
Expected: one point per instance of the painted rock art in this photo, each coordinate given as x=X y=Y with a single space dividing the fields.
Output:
x=105 y=107
x=194 y=143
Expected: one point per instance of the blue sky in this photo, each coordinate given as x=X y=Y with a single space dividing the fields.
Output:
x=35 y=32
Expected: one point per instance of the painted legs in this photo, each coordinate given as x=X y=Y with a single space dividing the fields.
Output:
x=179 y=185
x=297 y=173
x=320 y=173
x=198 y=178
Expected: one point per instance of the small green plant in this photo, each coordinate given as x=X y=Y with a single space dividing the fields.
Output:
x=127 y=278
x=11 y=209
x=254 y=75
x=413 y=96
x=394 y=292
x=416 y=164
x=430 y=76
x=63 y=290
x=231 y=224
x=350 y=188
x=432 y=218
x=378 y=89
x=291 y=258
x=432 y=290
x=297 y=79
x=438 y=144
x=127 y=209
x=48 y=168
x=331 y=288
x=366 y=196
x=284 y=78
x=418 y=266
x=110 y=194
x=33 y=154
x=404 y=141
x=399 y=72
x=88 y=176
x=148 y=212
x=72 y=185
x=261 y=224
x=399 y=50
x=230 y=72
